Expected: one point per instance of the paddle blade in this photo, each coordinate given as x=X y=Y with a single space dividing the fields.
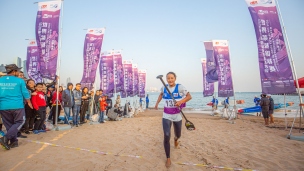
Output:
x=190 y=126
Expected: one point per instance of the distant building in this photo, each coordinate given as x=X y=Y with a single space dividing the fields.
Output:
x=24 y=69
x=18 y=62
x=2 y=69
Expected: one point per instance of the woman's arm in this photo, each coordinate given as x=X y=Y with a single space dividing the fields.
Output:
x=184 y=100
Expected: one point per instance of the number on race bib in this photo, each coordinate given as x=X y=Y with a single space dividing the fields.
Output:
x=169 y=103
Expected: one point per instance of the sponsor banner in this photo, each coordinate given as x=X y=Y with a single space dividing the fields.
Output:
x=208 y=87
x=222 y=59
x=118 y=71
x=47 y=35
x=135 y=79
x=91 y=54
x=106 y=69
x=142 y=83
x=211 y=72
x=32 y=63
x=275 y=70
x=128 y=77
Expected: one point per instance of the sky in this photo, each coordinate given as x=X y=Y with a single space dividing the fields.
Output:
x=160 y=36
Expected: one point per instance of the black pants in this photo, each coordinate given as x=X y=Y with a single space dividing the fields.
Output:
x=167 y=133
x=53 y=112
x=107 y=110
x=83 y=110
x=13 y=121
x=265 y=111
x=29 y=117
x=40 y=118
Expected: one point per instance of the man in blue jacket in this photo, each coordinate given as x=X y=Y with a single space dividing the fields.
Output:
x=68 y=101
x=12 y=94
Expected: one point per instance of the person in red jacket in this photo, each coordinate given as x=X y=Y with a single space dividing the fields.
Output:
x=54 y=103
x=103 y=107
x=39 y=105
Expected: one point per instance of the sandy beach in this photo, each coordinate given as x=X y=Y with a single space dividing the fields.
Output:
x=137 y=144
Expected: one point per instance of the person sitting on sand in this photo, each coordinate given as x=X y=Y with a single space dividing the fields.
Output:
x=115 y=113
x=171 y=112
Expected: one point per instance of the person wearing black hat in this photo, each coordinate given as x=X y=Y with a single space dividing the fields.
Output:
x=12 y=93
x=265 y=102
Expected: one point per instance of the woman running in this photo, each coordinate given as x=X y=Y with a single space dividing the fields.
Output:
x=172 y=112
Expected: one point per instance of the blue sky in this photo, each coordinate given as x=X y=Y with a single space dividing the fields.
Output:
x=160 y=36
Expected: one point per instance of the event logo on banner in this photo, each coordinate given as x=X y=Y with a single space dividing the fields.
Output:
x=91 y=55
x=128 y=77
x=142 y=83
x=211 y=72
x=275 y=70
x=135 y=79
x=32 y=63
x=47 y=35
x=208 y=87
x=106 y=69
x=118 y=71
x=222 y=59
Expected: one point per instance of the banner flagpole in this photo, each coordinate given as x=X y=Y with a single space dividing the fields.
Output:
x=289 y=51
x=58 y=66
x=114 y=73
x=234 y=105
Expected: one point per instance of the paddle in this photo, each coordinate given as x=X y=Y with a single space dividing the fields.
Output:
x=189 y=125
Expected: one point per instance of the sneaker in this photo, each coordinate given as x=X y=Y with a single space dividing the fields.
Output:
x=2 y=133
x=4 y=142
x=14 y=144
x=77 y=125
x=36 y=132
x=41 y=130
x=60 y=122
x=27 y=132
x=22 y=136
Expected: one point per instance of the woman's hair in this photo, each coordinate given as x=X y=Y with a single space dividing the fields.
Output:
x=29 y=81
x=171 y=73
x=61 y=88
x=84 y=89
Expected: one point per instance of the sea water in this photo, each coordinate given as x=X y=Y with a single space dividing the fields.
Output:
x=199 y=102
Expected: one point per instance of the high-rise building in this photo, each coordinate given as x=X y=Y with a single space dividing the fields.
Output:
x=24 y=69
x=2 y=69
x=18 y=62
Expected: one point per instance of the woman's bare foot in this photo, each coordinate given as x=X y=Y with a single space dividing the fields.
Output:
x=168 y=162
x=176 y=144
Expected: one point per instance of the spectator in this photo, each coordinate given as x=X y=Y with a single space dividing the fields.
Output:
x=96 y=101
x=29 y=112
x=68 y=102
x=109 y=102
x=226 y=102
x=39 y=105
x=271 y=108
x=140 y=102
x=214 y=103
x=12 y=93
x=265 y=102
x=256 y=101
x=118 y=100
x=54 y=105
x=147 y=101
x=77 y=103
x=103 y=106
x=84 y=104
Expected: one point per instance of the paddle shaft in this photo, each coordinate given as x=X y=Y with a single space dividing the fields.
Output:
x=161 y=79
